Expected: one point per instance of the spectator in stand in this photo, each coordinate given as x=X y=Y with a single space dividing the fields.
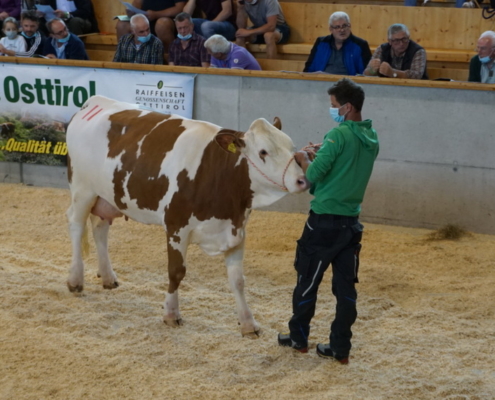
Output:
x=10 y=8
x=399 y=58
x=78 y=15
x=269 y=24
x=189 y=47
x=220 y=18
x=482 y=66
x=63 y=44
x=32 y=36
x=225 y=54
x=340 y=53
x=12 y=41
x=140 y=46
x=161 y=14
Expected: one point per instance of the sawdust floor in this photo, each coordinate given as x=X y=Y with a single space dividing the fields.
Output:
x=425 y=328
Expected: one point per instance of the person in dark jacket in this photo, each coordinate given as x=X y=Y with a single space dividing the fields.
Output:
x=340 y=53
x=63 y=44
x=482 y=65
x=400 y=57
x=79 y=16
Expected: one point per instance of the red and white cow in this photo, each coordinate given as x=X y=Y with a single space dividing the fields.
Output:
x=197 y=180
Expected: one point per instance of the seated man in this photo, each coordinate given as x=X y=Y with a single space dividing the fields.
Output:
x=340 y=53
x=482 y=66
x=219 y=17
x=188 y=49
x=399 y=58
x=140 y=46
x=63 y=44
x=160 y=13
x=33 y=38
x=269 y=24
x=10 y=8
x=78 y=15
x=229 y=55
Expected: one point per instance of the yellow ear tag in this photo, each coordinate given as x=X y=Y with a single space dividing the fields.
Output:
x=232 y=148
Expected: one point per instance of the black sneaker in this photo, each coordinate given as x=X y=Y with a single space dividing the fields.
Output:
x=324 y=350
x=286 y=341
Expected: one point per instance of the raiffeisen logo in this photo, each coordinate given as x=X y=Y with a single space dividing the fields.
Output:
x=47 y=91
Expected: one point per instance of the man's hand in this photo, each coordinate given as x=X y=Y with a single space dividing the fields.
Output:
x=60 y=14
x=243 y=33
x=385 y=69
x=3 y=15
x=311 y=149
x=52 y=56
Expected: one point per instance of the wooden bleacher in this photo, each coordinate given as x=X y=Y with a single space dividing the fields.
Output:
x=448 y=34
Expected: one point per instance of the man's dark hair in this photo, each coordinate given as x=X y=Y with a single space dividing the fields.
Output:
x=346 y=91
x=182 y=17
x=30 y=15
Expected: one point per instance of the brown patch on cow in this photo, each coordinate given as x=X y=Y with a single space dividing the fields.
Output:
x=220 y=189
x=277 y=123
x=69 y=169
x=144 y=183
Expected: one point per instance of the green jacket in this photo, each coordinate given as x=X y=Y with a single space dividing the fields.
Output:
x=342 y=168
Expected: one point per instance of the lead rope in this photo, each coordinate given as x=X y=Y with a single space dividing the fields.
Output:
x=283 y=187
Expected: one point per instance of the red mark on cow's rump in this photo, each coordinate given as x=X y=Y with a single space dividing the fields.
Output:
x=90 y=111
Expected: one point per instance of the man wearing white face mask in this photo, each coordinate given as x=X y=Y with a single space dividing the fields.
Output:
x=482 y=66
x=139 y=46
x=63 y=45
x=188 y=49
x=339 y=173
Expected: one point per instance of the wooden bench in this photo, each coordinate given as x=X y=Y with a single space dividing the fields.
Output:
x=449 y=35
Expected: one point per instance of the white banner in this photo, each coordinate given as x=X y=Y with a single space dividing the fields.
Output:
x=36 y=102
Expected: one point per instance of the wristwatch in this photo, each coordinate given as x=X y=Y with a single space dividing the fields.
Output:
x=394 y=75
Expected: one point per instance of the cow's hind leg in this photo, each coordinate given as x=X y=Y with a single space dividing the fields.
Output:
x=233 y=260
x=176 y=272
x=100 y=235
x=77 y=214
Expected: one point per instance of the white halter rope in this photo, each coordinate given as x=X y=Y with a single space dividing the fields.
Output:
x=282 y=186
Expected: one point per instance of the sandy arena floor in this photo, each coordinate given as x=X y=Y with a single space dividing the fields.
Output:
x=425 y=328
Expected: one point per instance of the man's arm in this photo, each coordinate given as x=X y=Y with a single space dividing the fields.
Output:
x=225 y=13
x=418 y=65
x=242 y=17
x=374 y=64
x=190 y=7
x=170 y=12
x=270 y=26
x=157 y=52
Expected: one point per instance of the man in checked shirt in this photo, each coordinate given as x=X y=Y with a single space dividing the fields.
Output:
x=139 y=46
x=400 y=57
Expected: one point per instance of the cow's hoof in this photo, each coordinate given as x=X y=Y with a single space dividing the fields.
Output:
x=174 y=323
x=112 y=285
x=252 y=334
x=75 y=289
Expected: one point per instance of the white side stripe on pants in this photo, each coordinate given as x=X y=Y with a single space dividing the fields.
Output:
x=313 y=281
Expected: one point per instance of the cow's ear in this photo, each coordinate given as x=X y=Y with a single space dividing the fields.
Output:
x=230 y=140
x=277 y=123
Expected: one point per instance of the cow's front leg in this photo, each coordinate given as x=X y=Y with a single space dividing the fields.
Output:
x=233 y=260
x=176 y=272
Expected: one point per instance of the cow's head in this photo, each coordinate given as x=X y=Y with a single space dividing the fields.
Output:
x=270 y=155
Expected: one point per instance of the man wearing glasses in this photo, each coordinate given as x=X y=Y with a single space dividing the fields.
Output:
x=63 y=45
x=400 y=57
x=340 y=53
x=482 y=65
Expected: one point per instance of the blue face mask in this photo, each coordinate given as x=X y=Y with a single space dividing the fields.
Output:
x=11 y=34
x=65 y=39
x=187 y=37
x=484 y=60
x=144 y=39
x=26 y=36
x=334 y=113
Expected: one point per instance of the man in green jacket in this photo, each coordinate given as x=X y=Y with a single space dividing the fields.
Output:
x=339 y=172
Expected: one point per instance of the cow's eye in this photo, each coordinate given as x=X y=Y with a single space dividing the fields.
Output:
x=263 y=154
